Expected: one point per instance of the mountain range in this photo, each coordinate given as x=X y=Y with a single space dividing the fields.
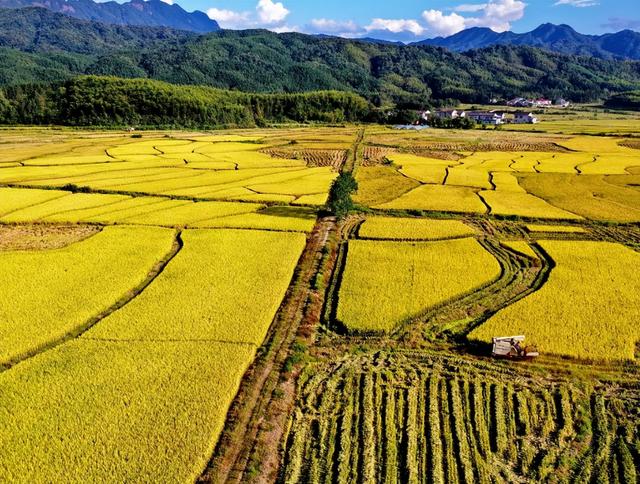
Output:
x=157 y=13
x=557 y=38
x=151 y=13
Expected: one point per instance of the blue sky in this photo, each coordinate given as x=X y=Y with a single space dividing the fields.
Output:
x=409 y=20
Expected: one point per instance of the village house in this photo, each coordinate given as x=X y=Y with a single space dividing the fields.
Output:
x=487 y=117
x=542 y=103
x=450 y=114
x=522 y=117
x=519 y=102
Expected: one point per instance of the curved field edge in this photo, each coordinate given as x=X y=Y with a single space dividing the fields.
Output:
x=237 y=279
x=588 y=315
x=395 y=282
x=88 y=276
x=160 y=456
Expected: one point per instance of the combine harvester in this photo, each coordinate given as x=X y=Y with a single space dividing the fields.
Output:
x=511 y=347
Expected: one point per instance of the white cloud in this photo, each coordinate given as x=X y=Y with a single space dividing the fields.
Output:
x=504 y=12
x=577 y=3
x=230 y=19
x=346 y=28
x=469 y=7
x=442 y=24
x=395 y=26
x=267 y=14
x=271 y=13
x=495 y=14
x=170 y=2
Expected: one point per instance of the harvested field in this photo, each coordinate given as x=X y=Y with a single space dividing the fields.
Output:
x=491 y=146
x=41 y=237
x=374 y=155
x=312 y=157
x=416 y=417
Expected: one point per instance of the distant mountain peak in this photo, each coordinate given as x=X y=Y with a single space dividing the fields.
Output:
x=558 y=38
x=151 y=13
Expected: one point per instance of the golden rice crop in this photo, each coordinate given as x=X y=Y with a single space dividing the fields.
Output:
x=12 y=199
x=493 y=160
x=381 y=184
x=589 y=307
x=386 y=283
x=317 y=199
x=69 y=160
x=525 y=162
x=413 y=229
x=506 y=182
x=442 y=198
x=594 y=144
x=62 y=209
x=191 y=213
x=306 y=183
x=520 y=247
x=555 y=228
x=475 y=178
x=229 y=147
x=578 y=195
x=425 y=170
x=523 y=205
x=610 y=164
x=119 y=211
x=99 y=411
x=224 y=285
x=262 y=221
x=47 y=294
x=563 y=162
x=255 y=197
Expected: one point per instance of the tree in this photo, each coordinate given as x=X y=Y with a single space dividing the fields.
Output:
x=340 y=202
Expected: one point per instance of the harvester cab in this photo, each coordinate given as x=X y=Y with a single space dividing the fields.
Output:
x=512 y=347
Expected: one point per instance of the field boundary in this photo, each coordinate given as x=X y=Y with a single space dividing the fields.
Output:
x=156 y=270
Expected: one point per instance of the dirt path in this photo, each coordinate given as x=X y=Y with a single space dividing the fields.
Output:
x=247 y=449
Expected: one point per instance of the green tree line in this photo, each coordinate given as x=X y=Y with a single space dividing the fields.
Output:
x=111 y=101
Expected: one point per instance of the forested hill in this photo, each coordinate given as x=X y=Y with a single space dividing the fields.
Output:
x=261 y=61
x=154 y=13
x=557 y=38
x=39 y=30
x=114 y=102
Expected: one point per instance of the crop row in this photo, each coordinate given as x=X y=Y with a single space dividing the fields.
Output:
x=312 y=157
x=382 y=419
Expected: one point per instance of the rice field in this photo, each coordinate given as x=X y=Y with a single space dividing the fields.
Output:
x=180 y=306
x=550 y=178
x=239 y=279
x=566 y=229
x=396 y=228
x=387 y=283
x=416 y=417
x=438 y=198
x=97 y=411
x=588 y=308
x=48 y=294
